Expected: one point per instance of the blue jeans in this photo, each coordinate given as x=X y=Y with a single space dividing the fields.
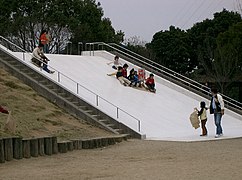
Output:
x=46 y=48
x=45 y=67
x=217 y=120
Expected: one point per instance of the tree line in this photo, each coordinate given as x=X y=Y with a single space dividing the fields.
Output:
x=210 y=51
x=66 y=20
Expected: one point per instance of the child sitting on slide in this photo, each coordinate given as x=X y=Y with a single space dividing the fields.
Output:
x=120 y=77
x=150 y=83
x=116 y=62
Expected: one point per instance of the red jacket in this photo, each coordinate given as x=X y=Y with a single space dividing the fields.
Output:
x=124 y=72
x=43 y=39
x=150 y=81
x=2 y=110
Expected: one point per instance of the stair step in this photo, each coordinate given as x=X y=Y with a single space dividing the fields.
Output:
x=110 y=125
x=88 y=111
x=103 y=121
x=75 y=102
x=96 y=116
x=82 y=107
x=14 y=63
x=61 y=93
x=30 y=74
x=43 y=83
x=68 y=98
x=25 y=70
x=49 y=85
x=118 y=130
x=54 y=90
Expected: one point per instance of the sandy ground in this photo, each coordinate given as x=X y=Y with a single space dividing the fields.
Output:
x=136 y=159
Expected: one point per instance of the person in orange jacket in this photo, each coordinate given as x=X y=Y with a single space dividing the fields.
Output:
x=44 y=39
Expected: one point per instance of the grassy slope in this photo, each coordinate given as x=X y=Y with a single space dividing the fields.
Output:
x=35 y=116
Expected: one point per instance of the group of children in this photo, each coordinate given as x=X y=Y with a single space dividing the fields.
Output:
x=133 y=79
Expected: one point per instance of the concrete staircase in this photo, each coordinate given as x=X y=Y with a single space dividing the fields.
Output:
x=60 y=96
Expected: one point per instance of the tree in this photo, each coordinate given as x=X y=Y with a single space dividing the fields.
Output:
x=172 y=49
x=203 y=37
x=75 y=20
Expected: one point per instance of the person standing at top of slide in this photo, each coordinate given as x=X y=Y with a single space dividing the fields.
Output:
x=44 y=39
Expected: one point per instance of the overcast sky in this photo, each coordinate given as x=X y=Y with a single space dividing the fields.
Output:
x=143 y=18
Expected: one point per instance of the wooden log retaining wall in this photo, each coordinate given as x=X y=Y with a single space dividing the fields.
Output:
x=18 y=148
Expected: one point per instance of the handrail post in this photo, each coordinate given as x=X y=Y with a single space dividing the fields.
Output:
x=97 y=99
x=139 y=125
x=93 y=48
x=69 y=42
x=77 y=90
x=117 y=112
x=23 y=56
x=86 y=46
x=79 y=51
x=58 y=76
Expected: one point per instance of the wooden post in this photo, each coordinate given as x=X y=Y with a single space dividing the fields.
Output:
x=26 y=148
x=111 y=141
x=17 y=148
x=77 y=143
x=70 y=145
x=85 y=144
x=41 y=146
x=118 y=139
x=54 y=145
x=8 y=148
x=2 y=157
x=104 y=142
x=99 y=142
x=62 y=147
x=48 y=145
x=34 y=147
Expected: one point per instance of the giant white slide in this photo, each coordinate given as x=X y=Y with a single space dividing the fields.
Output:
x=162 y=116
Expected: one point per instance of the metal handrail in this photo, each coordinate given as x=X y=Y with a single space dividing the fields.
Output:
x=159 y=68
x=59 y=74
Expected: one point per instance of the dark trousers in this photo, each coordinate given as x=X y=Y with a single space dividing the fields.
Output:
x=150 y=86
x=45 y=68
x=204 y=129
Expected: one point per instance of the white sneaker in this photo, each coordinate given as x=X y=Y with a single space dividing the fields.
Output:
x=218 y=135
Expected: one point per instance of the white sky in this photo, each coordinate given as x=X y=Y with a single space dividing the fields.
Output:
x=143 y=18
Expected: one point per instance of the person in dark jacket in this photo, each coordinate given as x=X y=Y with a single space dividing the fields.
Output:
x=217 y=108
x=119 y=76
x=2 y=110
x=133 y=78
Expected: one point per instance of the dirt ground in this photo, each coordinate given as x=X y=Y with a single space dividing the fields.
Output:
x=132 y=159
x=136 y=159
x=37 y=117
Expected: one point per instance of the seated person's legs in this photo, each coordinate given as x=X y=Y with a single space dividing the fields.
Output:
x=36 y=62
x=45 y=67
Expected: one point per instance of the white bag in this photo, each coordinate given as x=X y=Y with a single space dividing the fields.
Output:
x=194 y=120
